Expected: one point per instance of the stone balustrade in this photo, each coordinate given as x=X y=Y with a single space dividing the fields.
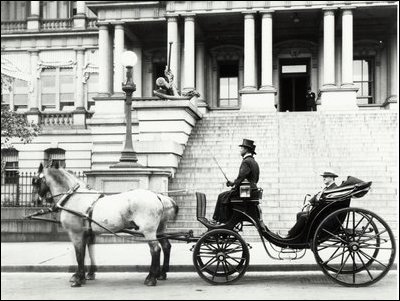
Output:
x=56 y=24
x=13 y=26
x=56 y=119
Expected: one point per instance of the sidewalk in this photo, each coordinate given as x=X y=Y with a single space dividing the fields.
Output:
x=60 y=257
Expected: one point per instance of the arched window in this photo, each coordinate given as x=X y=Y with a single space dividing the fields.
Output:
x=56 y=155
x=9 y=157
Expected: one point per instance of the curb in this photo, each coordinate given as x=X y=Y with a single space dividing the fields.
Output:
x=145 y=268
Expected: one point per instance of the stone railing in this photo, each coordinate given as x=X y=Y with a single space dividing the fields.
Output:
x=56 y=118
x=56 y=24
x=10 y=26
x=92 y=23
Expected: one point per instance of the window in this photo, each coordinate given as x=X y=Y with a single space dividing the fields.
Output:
x=56 y=9
x=14 y=10
x=57 y=88
x=363 y=78
x=228 y=84
x=56 y=155
x=10 y=159
x=17 y=95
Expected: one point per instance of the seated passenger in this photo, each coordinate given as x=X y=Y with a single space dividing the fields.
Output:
x=249 y=170
x=328 y=178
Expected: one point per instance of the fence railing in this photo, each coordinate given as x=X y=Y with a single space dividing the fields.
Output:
x=16 y=189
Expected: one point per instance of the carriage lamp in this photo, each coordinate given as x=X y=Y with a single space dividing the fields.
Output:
x=128 y=154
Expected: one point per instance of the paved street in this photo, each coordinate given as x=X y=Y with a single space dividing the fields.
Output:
x=254 y=285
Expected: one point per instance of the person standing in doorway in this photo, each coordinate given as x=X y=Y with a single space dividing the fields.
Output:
x=310 y=100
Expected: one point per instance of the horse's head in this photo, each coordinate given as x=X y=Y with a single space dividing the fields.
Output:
x=53 y=181
x=40 y=187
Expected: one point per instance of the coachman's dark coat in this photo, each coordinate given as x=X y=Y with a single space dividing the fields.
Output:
x=249 y=171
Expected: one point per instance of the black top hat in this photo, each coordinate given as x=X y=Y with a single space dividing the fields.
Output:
x=249 y=144
x=329 y=174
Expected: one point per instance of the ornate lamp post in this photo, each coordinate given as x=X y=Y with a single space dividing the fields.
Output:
x=128 y=155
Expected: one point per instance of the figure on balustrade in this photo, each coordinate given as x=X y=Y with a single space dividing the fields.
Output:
x=167 y=88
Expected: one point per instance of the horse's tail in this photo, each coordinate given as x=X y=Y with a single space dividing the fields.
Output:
x=176 y=209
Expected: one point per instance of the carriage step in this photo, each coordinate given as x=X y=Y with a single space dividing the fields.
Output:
x=290 y=254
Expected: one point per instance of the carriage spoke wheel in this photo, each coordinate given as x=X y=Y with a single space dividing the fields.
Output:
x=354 y=247
x=221 y=256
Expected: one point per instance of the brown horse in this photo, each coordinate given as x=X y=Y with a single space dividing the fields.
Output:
x=141 y=211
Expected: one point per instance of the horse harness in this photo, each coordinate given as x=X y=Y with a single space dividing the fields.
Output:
x=89 y=211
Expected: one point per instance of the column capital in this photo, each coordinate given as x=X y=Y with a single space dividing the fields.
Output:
x=103 y=24
x=79 y=49
x=329 y=11
x=188 y=15
x=249 y=14
x=34 y=51
x=348 y=7
x=172 y=17
x=347 y=10
x=119 y=24
x=267 y=13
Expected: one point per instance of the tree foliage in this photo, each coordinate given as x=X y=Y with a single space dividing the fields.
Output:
x=15 y=125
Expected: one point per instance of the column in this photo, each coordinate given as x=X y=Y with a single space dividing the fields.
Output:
x=393 y=83
x=80 y=17
x=33 y=105
x=80 y=98
x=347 y=46
x=172 y=36
x=79 y=114
x=119 y=45
x=320 y=62
x=33 y=95
x=189 y=66
x=329 y=47
x=266 y=50
x=137 y=72
x=249 y=52
x=104 y=61
x=33 y=18
x=200 y=69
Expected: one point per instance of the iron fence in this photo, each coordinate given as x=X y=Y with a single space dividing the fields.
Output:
x=16 y=189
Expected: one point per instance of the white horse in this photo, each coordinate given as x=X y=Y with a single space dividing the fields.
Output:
x=141 y=211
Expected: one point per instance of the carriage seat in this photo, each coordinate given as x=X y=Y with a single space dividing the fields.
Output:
x=201 y=211
x=352 y=187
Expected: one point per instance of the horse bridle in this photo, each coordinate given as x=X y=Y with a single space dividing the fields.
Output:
x=39 y=180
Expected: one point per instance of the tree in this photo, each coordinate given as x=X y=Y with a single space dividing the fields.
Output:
x=15 y=125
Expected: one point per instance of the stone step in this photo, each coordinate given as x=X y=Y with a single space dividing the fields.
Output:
x=293 y=149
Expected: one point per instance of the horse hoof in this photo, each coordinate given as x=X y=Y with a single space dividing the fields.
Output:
x=162 y=277
x=90 y=276
x=150 y=281
x=76 y=284
x=74 y=278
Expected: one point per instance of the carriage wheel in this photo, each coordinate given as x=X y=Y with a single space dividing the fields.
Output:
x=221 y=256
x=354 y=247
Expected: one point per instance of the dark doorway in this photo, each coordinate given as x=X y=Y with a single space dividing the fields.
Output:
x=294 y=81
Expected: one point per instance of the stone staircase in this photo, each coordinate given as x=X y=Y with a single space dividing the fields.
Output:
x=292 y=150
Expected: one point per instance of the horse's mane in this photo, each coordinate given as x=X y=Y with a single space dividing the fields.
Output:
x=65 y=178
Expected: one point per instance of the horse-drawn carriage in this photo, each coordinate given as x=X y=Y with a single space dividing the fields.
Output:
x=353 y=246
